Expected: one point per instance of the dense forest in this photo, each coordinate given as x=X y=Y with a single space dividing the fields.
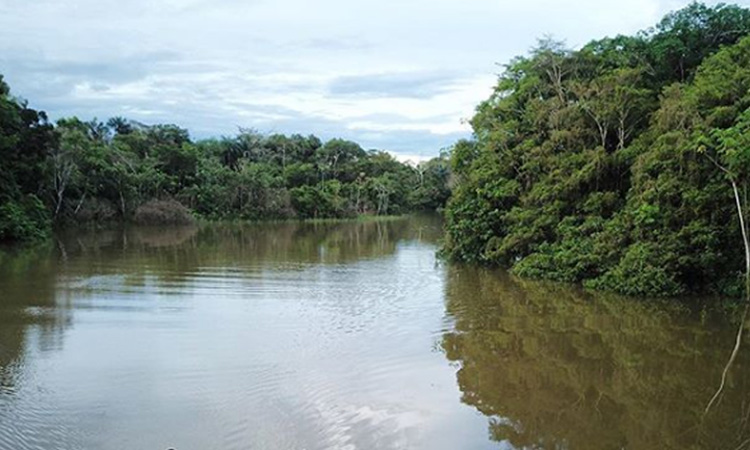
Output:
x=615 y=164
x=79 y=172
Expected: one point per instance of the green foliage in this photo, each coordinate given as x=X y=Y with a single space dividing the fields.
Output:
x=24 y=219
x=323 y=200
x=601 y=165
x=433 y=190
x=25 y=140
x=122 y=170
x=683 y=39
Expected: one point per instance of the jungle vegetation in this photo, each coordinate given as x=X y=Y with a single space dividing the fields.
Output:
x=613 y=165
x=620 y=165
x=77 y=172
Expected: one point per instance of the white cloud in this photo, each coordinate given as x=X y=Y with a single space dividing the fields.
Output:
x=393 y=74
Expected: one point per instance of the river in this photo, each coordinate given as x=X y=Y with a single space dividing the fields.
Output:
x=341 y=336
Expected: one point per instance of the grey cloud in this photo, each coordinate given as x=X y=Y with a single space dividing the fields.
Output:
x=118 y=69
x=400 y=118
x=410 y=85
x=45 y=77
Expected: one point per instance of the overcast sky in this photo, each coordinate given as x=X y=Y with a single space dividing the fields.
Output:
x=396 y=75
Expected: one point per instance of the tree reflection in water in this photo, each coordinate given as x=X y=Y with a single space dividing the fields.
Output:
x=37 y=283
x=29 y=319
x=556 y=367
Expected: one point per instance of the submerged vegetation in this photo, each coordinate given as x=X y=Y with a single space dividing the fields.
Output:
x=614 y=165
x=78 y=171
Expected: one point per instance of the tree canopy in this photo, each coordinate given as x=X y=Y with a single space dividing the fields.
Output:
x=79 y=171
x=598 y=165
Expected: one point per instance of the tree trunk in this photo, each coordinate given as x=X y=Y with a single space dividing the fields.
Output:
x=738 y=340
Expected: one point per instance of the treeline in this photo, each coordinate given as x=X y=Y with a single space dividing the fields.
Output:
x=614 y=165
x=78 y=171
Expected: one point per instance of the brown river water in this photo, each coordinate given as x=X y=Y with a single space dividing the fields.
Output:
x=342 y=336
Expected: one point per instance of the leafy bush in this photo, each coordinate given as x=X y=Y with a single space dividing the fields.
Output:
x=23 y=220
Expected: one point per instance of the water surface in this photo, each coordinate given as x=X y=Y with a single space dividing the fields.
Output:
x=340 y=336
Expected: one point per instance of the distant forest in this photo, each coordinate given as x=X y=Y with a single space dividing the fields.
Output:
x=78 y=172
x=615 y=165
